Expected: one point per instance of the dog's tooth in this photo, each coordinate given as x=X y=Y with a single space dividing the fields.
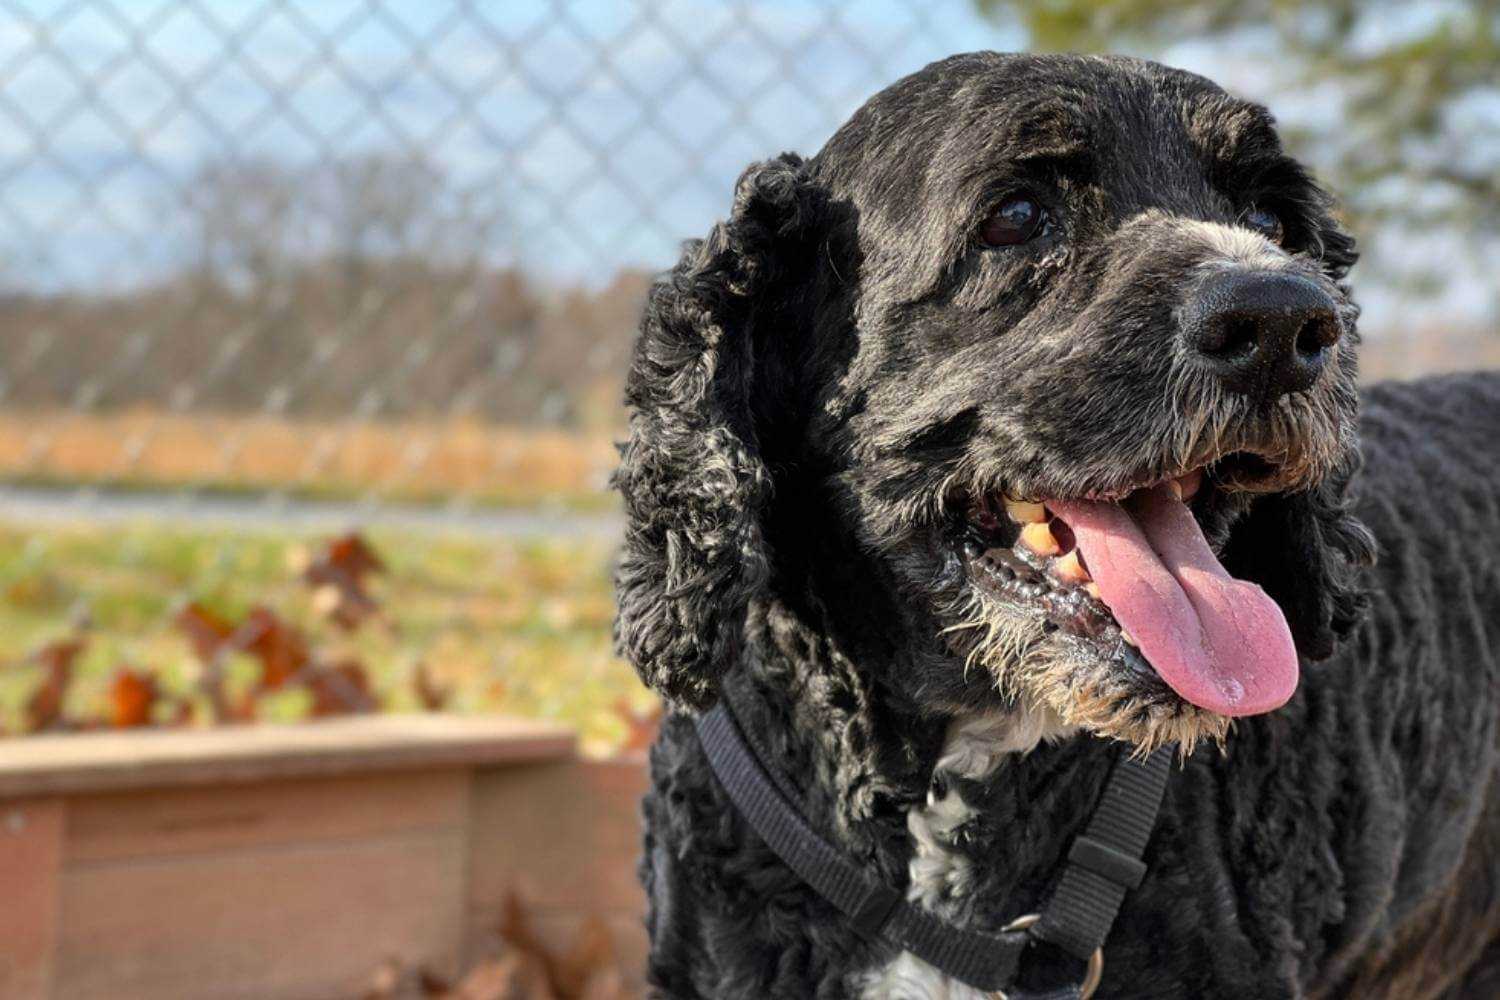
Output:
x=1025 y=511
x=1129 y=638
x=1093 y=590
x=1070 y=569
x=1186 y=487
x=1037 y=537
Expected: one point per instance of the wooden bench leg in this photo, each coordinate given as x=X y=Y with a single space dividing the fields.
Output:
x=31 y=832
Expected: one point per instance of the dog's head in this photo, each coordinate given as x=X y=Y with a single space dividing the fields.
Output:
x=1037 y=382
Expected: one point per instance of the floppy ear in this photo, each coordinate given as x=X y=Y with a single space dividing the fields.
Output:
x=1308 y=551
x=692 y=474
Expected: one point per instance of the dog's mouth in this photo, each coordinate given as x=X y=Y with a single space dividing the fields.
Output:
x=1132 y=575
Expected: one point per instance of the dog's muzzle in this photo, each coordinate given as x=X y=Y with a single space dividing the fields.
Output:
x=1261 y=333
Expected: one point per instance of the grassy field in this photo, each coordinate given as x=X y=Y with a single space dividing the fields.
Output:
x=410 y=460
x=516 y=626
x=436 y=459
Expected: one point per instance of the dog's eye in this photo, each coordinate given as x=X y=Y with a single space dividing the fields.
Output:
x=1265 y=222
x=1014 y=221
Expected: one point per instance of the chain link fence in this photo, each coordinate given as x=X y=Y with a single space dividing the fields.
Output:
x=270 y=271
x=298 y=249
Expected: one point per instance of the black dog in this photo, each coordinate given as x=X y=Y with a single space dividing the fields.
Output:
x=1021 y=421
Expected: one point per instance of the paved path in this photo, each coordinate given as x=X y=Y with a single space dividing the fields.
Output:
x=43 y=505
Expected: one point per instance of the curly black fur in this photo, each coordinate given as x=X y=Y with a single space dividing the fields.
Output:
x=695 y=483
x=823 y=380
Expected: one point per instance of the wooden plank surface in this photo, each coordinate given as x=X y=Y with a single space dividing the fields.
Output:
x=303 y=920
x=31 y=834
x=86 y=762
x=565 y=837
x=168 y=822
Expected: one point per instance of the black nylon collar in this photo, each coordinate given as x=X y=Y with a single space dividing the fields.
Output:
x=1103 y=864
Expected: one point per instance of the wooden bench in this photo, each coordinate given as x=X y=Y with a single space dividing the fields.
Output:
x=290 y=861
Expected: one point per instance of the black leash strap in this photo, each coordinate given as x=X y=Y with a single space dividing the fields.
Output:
x=1103 y=864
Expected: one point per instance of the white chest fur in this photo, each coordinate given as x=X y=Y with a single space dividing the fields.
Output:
x=940 y=873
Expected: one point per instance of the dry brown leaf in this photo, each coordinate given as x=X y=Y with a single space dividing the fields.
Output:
x=337 y=574
x=44 y=709
x=592 y=953
x=430 y=984
x=205 y=630
x=280 y=648
x=210 y=635
x=641 y=728
x=513 y=927
x=591 y=958
x=512 y=976
x=515 y=930
x=184 y=713
x=340 y=689
x=132 y=695
x=353 y=555
x=433 y=696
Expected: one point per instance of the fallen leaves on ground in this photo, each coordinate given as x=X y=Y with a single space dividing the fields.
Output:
x=285 y=658
x=523 y=969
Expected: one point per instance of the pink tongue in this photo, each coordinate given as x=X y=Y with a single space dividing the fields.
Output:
x=1220 y=643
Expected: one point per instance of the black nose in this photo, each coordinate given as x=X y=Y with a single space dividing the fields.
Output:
x=1261 y=333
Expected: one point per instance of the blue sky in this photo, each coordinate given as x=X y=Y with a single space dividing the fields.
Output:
x=575 y=137
x=596 y=134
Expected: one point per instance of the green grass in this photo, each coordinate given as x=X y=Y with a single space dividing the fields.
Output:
x=513 y=626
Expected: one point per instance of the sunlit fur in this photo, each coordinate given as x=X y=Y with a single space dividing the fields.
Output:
x=1078 y=687
x=822 y=386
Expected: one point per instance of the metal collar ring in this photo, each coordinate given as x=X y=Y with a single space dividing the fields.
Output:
x=1091 y=977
